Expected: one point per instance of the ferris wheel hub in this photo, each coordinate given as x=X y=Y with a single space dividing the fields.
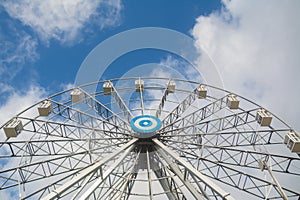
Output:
x=145 y=125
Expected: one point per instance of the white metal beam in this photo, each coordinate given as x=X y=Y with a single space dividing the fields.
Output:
x=181 y=176
x=194 y=172
x=105 y=174
x=59 y=191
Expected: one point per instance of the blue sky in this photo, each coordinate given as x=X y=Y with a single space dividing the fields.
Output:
x=57 y=61
x=253 y=45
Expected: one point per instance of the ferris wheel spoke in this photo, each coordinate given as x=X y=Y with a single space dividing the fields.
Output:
x=109 y=178
x=95 y=168
x=245 y=137
x=149 y=174
x=86 y=119
x=127 y=183
x=208 y=185
x=236 y=157
x=167 y=179
x=66 y=130
x=180 y=108
x=230 y=178
x=121 y=104
x=39 y=170
x=198 y=115
x=215 y=125
x=238 y=138
x=45 y=189
x=44 y=167
x=252 y=159
x=233 y=176
x=103 y=111
x=162 y=102
x=244 y=181
x=183 y=178
x=70 y=169
x=48 y=146
x=140 y=88
x=120 y=184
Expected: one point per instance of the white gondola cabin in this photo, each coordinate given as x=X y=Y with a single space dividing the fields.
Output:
x=292 y=141
x=45 y=108
x=107 y=88
x=263 y=117
x=139 y=85
x=232 y=101
x=201 y=92
x=171 y=87
x=13 y=128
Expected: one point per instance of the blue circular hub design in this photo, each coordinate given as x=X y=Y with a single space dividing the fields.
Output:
x=146 y=125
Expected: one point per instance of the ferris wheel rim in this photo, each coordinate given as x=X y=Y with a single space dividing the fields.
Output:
x=130 y=131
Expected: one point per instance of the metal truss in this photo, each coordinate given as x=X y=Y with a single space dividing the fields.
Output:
x=235 y=157
x=180 y=108
x=83 y=149
x=211 y=188
x=122 y=106
x=162 y=102
x=106 y=113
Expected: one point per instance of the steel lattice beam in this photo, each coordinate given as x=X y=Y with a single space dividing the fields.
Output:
x=190 y=169
x=239 y=157
x=104 y=112
x=85 y=119
x=121 y=104
x=162 y=103
x=214 y=125
x=196 y=116
x=180 y=108
x=231 y=176
x=88 y=171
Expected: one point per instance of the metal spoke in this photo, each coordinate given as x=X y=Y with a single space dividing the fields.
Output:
x=141 y=97
x=149 y=175
x=237 y=157
x=92 y=169
x=65 y=130
x=214 y=125
x=53 y=147
x=196 y=194
x=180 y=108
x=199 y=115
x=232 y=176
x=128 y=180
x=85 y=119
x=122 y=106
x=105 y=175
x=104 y=112
x=162 y=102
x=167 y=180
x=216 y=190
x=243 y=181
x=232 y=138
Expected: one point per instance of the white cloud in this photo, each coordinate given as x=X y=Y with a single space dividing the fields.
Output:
x=18 y=101
x=63 y=20
x=14 y=53
x=178 y=68
x=256 y=46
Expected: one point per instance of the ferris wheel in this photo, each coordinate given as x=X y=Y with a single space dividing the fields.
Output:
x=148 y=138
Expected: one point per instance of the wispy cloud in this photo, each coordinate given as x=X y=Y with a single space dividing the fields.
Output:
x=17 y=101
x=65 y=20
x=16 y=50
x=256 y=47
